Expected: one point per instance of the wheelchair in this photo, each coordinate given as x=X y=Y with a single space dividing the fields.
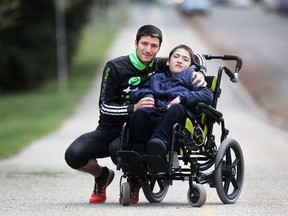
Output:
x=194 y=155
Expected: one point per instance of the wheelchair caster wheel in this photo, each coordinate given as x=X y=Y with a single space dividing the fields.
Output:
x=198 y=196
x=229 y=171
x=125 y=193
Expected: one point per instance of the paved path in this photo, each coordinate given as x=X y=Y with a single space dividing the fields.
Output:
x=38 y=182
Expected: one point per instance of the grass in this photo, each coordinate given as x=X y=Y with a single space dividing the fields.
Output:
x=28 y=116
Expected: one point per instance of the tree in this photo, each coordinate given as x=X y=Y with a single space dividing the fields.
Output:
x=9 y=13
x=28 y=42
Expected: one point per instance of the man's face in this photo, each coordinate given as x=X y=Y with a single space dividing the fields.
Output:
x=147 y=48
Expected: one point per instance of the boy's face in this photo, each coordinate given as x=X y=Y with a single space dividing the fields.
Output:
x=147 y=48
x=180 y=60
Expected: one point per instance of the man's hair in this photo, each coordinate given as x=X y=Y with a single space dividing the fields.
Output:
x=149 y=30
x=185 y=47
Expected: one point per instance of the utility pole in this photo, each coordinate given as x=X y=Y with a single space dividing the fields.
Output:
x=61 y=45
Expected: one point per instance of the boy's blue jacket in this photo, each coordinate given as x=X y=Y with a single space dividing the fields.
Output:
x=164 y=87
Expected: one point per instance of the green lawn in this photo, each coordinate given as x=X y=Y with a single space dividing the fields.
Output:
x=27 y=116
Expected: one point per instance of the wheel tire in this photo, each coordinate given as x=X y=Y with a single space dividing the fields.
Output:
x=155 y=190
x=198 y=198
x=126 y=192
x=229 y=171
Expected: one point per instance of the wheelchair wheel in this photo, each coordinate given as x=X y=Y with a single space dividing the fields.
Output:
x=229 y=171
x=155 y=190
x=125 y=193
x=197 y=198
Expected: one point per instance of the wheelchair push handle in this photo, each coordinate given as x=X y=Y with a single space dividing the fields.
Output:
x=234 y=76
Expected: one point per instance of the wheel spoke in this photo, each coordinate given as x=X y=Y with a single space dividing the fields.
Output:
x=161 y=184
x=152 y=185
x=225 y=168
x=227 y=182
x=228 y=157
x=234 y=183
x=236 y=162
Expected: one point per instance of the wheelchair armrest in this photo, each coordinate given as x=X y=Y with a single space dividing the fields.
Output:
x=191 y=116
x=210 y=110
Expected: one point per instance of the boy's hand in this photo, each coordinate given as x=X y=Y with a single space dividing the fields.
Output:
x=173 y=102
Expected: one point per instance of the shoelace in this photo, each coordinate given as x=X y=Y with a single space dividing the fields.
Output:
x=98 y=190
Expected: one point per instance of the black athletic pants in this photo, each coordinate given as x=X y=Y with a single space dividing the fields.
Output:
x=94 y=144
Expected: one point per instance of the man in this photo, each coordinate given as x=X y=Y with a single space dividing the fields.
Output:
x=121 y=76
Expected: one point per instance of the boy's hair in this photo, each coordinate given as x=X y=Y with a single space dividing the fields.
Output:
x=149 y=30
x=185 y=47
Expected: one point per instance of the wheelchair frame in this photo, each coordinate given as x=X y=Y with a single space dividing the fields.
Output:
x=198 y=153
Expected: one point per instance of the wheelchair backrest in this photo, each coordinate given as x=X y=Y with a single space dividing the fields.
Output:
x=198 y=128
x=212 y=85
x=201 y=127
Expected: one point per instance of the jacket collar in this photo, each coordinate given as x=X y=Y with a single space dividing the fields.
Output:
x=137 y=63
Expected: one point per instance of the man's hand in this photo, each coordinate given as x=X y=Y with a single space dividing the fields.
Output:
x=146 y=102
x=199 y=77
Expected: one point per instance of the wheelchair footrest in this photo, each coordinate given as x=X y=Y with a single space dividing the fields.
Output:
x=155 y=163
x=131 y=162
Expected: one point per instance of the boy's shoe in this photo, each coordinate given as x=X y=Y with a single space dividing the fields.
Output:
x=156 y=147
x=134 y=197
x=101 y=183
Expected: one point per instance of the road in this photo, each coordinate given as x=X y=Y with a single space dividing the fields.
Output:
x=38 y=182
x=260 y=38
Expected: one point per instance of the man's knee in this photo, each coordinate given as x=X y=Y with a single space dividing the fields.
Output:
x=113 y=148
x=74 y=157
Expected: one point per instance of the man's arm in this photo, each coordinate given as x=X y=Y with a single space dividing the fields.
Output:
x=110 y=102
x=201 y=68
x=199 y=77
x=200 y=63
x=143 y=97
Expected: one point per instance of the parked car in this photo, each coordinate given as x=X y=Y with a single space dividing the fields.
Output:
x=189 y=7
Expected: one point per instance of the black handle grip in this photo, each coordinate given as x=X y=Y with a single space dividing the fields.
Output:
x=233 y=75
x=235 y=58
x=226 y=57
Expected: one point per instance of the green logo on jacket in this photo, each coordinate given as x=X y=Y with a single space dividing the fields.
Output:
x=134 y=81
